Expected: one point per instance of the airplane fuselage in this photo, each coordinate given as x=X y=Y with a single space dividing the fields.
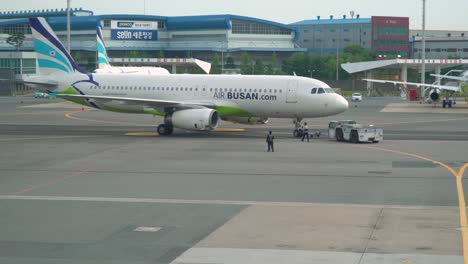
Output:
x=236 y=95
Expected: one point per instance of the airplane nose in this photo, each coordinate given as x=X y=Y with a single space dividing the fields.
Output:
x=341 y=103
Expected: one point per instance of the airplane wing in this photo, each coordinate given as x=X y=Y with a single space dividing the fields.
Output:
x=152 y=102
x=458 y=78
x=442 y=87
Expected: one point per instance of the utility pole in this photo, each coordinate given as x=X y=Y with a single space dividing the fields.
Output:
x=423 y=42
x=68 y=25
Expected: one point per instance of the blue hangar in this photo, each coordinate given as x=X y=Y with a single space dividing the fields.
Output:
x=149 y=36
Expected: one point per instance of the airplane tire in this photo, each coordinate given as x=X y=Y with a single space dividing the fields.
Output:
x=450 y=104
x=161 y=129
x=444 y=103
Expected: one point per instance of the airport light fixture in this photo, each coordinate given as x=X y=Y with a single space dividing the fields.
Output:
x=423 y=43
x=68 y=25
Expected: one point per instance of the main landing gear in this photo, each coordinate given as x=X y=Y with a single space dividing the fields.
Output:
x=167 y=128
x=297 y=127
x=448 y=103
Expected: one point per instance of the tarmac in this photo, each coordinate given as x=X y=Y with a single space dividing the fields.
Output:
x=80 y=185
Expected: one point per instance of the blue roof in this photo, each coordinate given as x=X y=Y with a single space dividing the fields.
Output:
x=76 y=23
x=40 y=13
x=198 y=22
x=214 y=22
x=333 y=21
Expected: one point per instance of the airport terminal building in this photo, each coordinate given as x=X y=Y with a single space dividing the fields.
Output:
x=150 y=36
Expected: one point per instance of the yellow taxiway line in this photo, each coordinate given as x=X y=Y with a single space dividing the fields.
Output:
x=461 y=196
x=70 y=115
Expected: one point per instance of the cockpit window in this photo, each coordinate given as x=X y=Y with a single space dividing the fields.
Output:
x=314 y=91
x=321 y=91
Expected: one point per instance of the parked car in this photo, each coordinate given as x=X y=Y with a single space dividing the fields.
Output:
x=356 y=97
x=41 y=95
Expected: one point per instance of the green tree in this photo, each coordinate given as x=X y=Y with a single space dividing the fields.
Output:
x=246 y=66
x=215 y=67
x=16 y=40
x=188 y=54
x=77 y=56
x=298 y=63
x=134 y=54
x=259 y=68
x=271 y=67
x=160 y=54
x=229 y=63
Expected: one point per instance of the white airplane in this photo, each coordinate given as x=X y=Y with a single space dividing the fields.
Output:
x=187 y=101
x=435 y=91
x=463 y=77
x=104 y=66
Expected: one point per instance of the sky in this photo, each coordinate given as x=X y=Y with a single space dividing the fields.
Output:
x=440 y=15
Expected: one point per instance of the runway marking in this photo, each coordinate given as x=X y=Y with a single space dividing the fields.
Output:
x=228 y=129
x=212 y=202
x=142 y=134
x=48 y=183
x=42 y=138
x=70 y=115
x=32 y=113
x=423 y=121
x=461 y=196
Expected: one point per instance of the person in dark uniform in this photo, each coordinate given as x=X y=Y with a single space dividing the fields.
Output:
x=305 y=132
x=269 y=141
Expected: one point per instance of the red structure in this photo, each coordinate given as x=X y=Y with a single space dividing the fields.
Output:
x=413 y=95
x=390 y=37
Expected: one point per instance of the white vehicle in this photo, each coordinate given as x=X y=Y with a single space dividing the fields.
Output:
x=41 y=95
x=349 y=130
x=356 y=97
x=186 y=101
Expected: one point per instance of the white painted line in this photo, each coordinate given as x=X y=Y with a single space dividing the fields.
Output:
x=147 y=229
x=268 y=256
x=215 y=202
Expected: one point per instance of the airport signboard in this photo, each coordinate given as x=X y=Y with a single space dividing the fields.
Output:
x=124 y=30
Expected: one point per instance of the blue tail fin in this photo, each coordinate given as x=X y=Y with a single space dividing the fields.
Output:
x=103 y=59
x=52 y=56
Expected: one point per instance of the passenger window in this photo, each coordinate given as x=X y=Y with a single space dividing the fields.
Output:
x=321 y=91
x=314 y=91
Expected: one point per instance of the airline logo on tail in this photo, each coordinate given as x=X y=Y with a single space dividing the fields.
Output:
x=52 y=56
x=103 y=59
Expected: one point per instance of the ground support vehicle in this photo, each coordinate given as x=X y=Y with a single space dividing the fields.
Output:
x=349 y=130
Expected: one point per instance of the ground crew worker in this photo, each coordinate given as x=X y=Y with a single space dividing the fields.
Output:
x=269 y=141
x=305 y=132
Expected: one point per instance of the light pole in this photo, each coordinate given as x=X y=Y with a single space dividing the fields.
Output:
x=423 y=42
x=68 y=25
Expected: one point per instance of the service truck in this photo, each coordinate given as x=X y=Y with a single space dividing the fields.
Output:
x=350 y=130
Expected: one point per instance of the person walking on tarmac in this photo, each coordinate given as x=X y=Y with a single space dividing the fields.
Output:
x=305 y=132
x=269 y=141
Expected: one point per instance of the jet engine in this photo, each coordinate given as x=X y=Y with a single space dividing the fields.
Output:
x=434 y=95
x=194 y=119
x=247 y=120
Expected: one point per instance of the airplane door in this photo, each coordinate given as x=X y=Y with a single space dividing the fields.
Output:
x=291 y=92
